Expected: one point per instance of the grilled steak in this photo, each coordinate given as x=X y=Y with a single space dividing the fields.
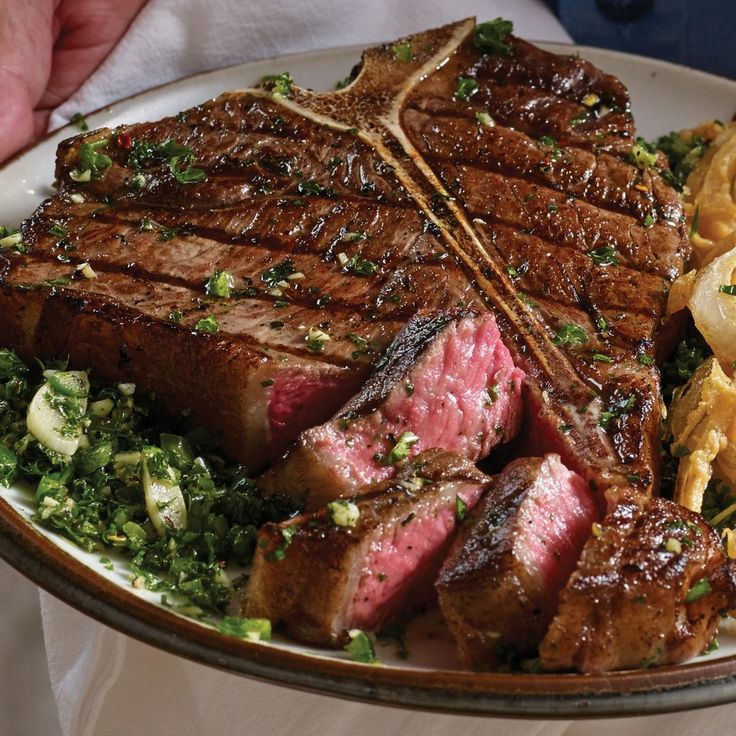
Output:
x=319 y=576
x=499 y=587
x=489 y=176
x=446 y=381
x=649 y=589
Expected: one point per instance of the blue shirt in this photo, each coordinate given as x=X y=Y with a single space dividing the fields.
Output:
x=697 y=33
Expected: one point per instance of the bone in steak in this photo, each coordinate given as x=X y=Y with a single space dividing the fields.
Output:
x=649 y=589
x=320 y=579
x=498 y=589
x=341 y=215
x=447 y=381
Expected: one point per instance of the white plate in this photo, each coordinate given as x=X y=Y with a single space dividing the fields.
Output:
x=664 y=97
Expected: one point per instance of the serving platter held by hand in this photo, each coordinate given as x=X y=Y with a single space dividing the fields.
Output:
x=664 y=97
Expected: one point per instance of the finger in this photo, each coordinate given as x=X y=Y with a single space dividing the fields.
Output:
x=90 y=29
x=25 y=64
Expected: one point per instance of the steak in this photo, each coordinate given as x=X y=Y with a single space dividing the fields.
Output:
x=649 y=589
x=447 y=381
x=321 y=574
x=499 y=587
x=495 y=177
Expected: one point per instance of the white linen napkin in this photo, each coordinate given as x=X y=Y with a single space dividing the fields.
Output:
x=107 y=684
x=171 y=39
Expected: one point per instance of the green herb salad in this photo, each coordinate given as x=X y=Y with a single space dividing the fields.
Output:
x=109 y=475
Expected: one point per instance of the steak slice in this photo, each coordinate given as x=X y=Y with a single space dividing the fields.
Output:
x=649 y=589
x=498 y=589
x=391 y=196
x=446 y=381
x=320 y=578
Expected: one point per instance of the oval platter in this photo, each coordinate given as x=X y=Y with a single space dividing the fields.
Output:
x=664 y=97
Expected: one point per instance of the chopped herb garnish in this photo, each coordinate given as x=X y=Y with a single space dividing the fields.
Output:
x=360 y=647
x=466 y=88
x=220 y=284
x=485 y=119
x=602 y=358
x=570 y=334
x=90 y=158
x=701 y=589
x=461 y=508
x=208 y=324
x=403 y=52
x=58 y=231
x=362 y=345
x=649 y=220
x=400 y=450
x=729 y=289
x=491 y=37
x=164 y=233
x=279 y=84
x=279 y=273
x=645 y=359
x=11 y=239
x=79 y=120
x=176 y=316
x=343 y=512
x=643 y=154
x=604 y=256
x=314 y=189
x=617 y=410
x=682 y=154
x=360 y=266
x=252 y=629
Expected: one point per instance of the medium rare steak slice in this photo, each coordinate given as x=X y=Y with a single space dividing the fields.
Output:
x=229 y=242
x=649 y=589
x=499 y=587
x=446 y=381
x=365 y=562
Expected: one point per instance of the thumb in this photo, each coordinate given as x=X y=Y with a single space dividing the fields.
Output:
x=25 y=64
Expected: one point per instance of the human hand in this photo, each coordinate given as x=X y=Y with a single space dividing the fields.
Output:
x=47 y=49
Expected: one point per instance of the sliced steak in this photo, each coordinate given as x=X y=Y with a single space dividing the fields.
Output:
x=394 y=195
x=446 y=381
x=649 y=589
x=320 y=578
x=499 y=587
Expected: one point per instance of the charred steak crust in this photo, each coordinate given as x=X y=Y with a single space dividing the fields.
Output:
x=398 y=171
x=498 y=589
x=649 y=589
x=318 y=579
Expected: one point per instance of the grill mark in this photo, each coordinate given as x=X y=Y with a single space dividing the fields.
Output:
x=550 y=185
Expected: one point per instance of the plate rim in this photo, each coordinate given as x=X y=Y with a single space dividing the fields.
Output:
x=626 y=693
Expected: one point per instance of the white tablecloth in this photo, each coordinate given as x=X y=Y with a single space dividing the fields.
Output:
x=106 y=684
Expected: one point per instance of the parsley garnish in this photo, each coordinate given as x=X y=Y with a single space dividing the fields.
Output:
x=604 y=256
x=79 y=120
x=400 y=450
x=360 y=647
x=90 y=158
x=701 y=589
x=360 y=266
x=403 y=52
x=491 y=37
x=207 y=324
x=466 y=88
x=220 y=284
x=279 y=84
x=280 y=272
x=570 y=334
x=643 y=154
x=461 y=508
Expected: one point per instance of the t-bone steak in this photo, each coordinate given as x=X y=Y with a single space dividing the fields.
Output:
x=458 y=169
